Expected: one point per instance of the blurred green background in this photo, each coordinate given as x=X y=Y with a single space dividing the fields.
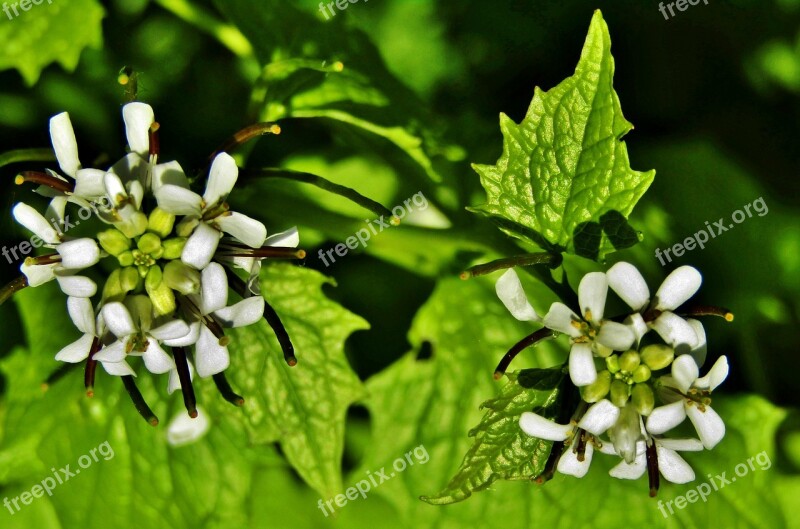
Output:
x=714 y=94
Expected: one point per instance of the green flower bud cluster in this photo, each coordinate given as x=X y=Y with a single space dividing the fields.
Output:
x=628 y=376
x=148 y=258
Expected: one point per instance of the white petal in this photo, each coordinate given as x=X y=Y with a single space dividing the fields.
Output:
x=78 y=286
x=79 y=253
x=616 y=336
x=210 y=357
x=599 y=417
x=244 y=313
x=113 y=353
x=77 y=351
x=581 y=364
x=221 y=179
x=183 y=430
x=201 y=246
x=115 y=188
x=82 y=314
x=56 y=211
x=138 y=117
x=136 y=192
x=637 y=325
x=560 y=318
x=35 y=222
x=120 y=369
x=213 y=288
x=174 y=383
x=170 y=173
x=64 y=143
x=288 y=238
x=667 y=417
x=171 y=330
x=592 y=294
x=626 y=280
x=118 y=319
x=178 y=200
x=708 y=424
x=675 y=331
x=684 y=445
x=131 y=167
x=156 y=360
x=633 y=471
x=509 y=290
x=90 y=183
x=569 y=464
x=541 y=428
x=189 y=339
x=672 y=466
x=716 y=375
x=679 y=286
x=250 y=231
x=684 y=372
x=699 y=351
x=38 y=274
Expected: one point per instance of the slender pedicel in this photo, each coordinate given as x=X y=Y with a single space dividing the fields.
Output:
x=530 y=340
x=227 y=392
x=270 y=252
x=552 y=462
x=652 y=467
x=44 y=179
x=246 y=134
x=91 y=368
x=12 y=288
x=57 y=375
x=182 y=365
x=545 y=258
x=138 y=401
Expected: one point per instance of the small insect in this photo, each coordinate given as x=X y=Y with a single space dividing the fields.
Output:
x=129 y=78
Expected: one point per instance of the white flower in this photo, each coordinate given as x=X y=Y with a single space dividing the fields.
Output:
x=211 y=351
x=509 y=290
x=131 y=323
x=597 y=419
x=208 y=216
x=231 y=253
x=590 y=334
x=82 y=315
x=671 y=465
x=72 y=256
x=693 y=400
x=183 y=430
x=678 y=286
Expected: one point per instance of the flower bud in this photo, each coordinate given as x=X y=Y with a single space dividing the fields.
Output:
x=643 y=399
x=182 y=278
x=173 y=247
x=129 y=278
x=160 y=294
x=186 y=226
x=619 y=393
x=153 y=278
x=625 y=433
x=135 y=226
x=597 y=389
x=112 y=290
x=612 y=363
x=160 y=222
x=657 y=356
x=149 y=243
x=628 y=361
x=113 y=241
x=641 y=373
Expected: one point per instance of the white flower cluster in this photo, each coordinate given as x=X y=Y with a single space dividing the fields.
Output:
x=169 y=248
x=639 y=371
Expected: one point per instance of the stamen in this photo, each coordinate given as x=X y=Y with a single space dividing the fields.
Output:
x=707 y=310
x=91 y=368
x=138 y=401
x=530 y=340
x=510 y=262
x=182 y=365
x=652 y=468
x=580 y=446
x=44 y=179
x=245 y=135
x=12 y=288
x=227 y=392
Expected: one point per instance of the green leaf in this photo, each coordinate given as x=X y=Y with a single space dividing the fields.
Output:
x=565 y=165
x=501 y=449
x=302 y=407
x=302 y=79
x=53 y=31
